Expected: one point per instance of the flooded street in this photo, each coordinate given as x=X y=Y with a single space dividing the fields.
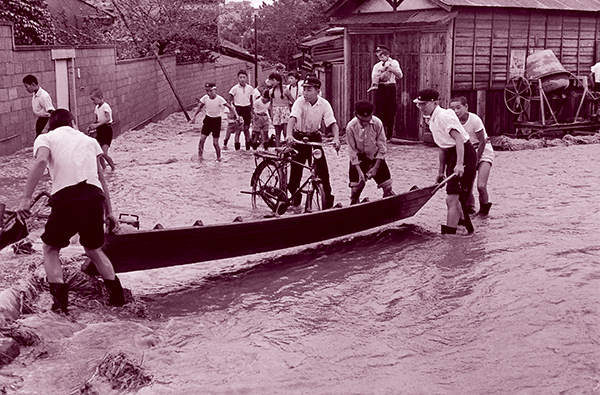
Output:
x=511 y=309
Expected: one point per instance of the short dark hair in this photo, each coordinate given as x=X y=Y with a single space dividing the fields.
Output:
x=97 y=93
x=461 y=99
x=30 y=80
x=242 y=72
x=294 y=74
x=60 y=117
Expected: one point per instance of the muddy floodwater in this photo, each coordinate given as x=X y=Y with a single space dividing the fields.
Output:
x=512 y=309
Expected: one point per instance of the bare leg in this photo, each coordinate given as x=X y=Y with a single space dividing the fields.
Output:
x=52 y=264
x=483 y=174
x=201 y=147
x=278 y=132
x=105 y=268
x=217 y=148
x=111 y=163
x=454 y=210
x=247 y=138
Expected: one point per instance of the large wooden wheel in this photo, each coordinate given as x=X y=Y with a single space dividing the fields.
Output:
x=517 y=95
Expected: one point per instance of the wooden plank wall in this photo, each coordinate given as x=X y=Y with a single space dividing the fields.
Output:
x=404 y=47
x=483 y=41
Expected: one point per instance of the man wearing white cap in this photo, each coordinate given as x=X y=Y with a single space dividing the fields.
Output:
x=457 y=155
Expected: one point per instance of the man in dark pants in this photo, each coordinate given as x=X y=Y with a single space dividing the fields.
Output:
x=308 y=112
x=384 y=77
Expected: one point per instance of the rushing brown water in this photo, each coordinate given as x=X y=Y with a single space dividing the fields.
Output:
x=512 y=309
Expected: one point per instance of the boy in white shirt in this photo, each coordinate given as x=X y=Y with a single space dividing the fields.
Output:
x=212 y=121
x=41 y=103
x=102 y=126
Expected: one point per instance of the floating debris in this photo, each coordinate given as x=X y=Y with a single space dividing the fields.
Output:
x=505 y=143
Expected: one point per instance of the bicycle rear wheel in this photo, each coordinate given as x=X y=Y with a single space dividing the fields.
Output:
x=268 y=185
x=316 y=199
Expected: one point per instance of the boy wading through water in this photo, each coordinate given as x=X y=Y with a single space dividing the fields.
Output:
x=80 y=203
x=367 y=148
x=212 y=121
x=102 y=126
x=457 y=155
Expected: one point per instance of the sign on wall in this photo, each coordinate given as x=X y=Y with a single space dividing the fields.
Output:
x=517 y=63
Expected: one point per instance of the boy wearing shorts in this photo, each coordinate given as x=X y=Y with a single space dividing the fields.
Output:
x=102 y=126
x=457 y=156
x=261 y=121
x=485 y=152
x=367 y=148
x=212 y=121
x=80 y=203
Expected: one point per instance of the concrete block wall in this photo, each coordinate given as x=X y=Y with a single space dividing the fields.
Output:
x=136 y=89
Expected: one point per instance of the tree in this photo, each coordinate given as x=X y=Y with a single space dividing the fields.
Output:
x=283 y=24
x=235 y=23
x=172 y=26
x=32 y=21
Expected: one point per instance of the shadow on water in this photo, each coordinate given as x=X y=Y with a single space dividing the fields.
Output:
x=323 y=264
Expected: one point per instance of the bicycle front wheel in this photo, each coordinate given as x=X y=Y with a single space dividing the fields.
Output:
x=266 y=179
x=316 y=199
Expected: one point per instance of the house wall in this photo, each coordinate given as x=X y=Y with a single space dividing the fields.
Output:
x=484 y=40
x=424 y=54
x=137 y=90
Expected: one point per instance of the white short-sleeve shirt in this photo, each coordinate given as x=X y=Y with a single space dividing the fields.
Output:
x=41 y=102
x=473 y=125
x=241 y=95
x=103 y=113
x=309 y=116
x=72 y=157
x=213 y=107
x=442 y=121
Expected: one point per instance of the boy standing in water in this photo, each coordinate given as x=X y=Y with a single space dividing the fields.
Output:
x=457 y=155
x=102 y=126
x=485 y=152
x=367 y=149
x=241 y=96
x=80 y=203
x=41 y=102
x=212 y=121
x=261 y=121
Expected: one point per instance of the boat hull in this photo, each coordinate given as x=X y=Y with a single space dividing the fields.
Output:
x=178 y=246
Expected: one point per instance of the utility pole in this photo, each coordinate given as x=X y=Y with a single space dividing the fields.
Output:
x=255 y=50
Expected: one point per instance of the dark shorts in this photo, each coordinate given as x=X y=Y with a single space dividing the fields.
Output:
x=40 y=125
x=104 y=134
x=382 y=175
x=244 y=112
x=464 y=184
x=76 y=209
x=211 y=126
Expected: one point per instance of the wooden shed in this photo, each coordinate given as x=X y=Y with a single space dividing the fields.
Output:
x=467 y=47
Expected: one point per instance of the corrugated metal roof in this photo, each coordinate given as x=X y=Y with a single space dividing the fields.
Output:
x=320 y=40
x=567 y=5
x=406 y=17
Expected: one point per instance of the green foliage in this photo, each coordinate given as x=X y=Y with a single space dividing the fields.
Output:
x=32 y=21
x=236 y=22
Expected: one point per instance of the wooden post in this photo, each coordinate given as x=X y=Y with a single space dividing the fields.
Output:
x=164 y=70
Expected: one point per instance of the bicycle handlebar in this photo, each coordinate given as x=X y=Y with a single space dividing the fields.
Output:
x=310 y=143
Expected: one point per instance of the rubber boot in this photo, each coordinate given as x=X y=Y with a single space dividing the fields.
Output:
x=247 y=146
x=115 y=292
x=237 y=146
x=448 y=230
x=485 y=209
x=60 y=294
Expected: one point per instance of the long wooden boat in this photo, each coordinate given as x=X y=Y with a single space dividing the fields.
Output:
x=179 y=246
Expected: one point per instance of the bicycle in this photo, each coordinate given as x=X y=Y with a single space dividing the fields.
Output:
x=269 y=180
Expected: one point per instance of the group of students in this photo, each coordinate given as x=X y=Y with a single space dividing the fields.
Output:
x=80 y=200
x=248 y=106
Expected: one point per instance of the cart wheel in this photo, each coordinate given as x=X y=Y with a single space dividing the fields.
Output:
x=517 y=95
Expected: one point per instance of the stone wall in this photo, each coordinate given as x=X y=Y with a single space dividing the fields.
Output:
x=136 y=89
